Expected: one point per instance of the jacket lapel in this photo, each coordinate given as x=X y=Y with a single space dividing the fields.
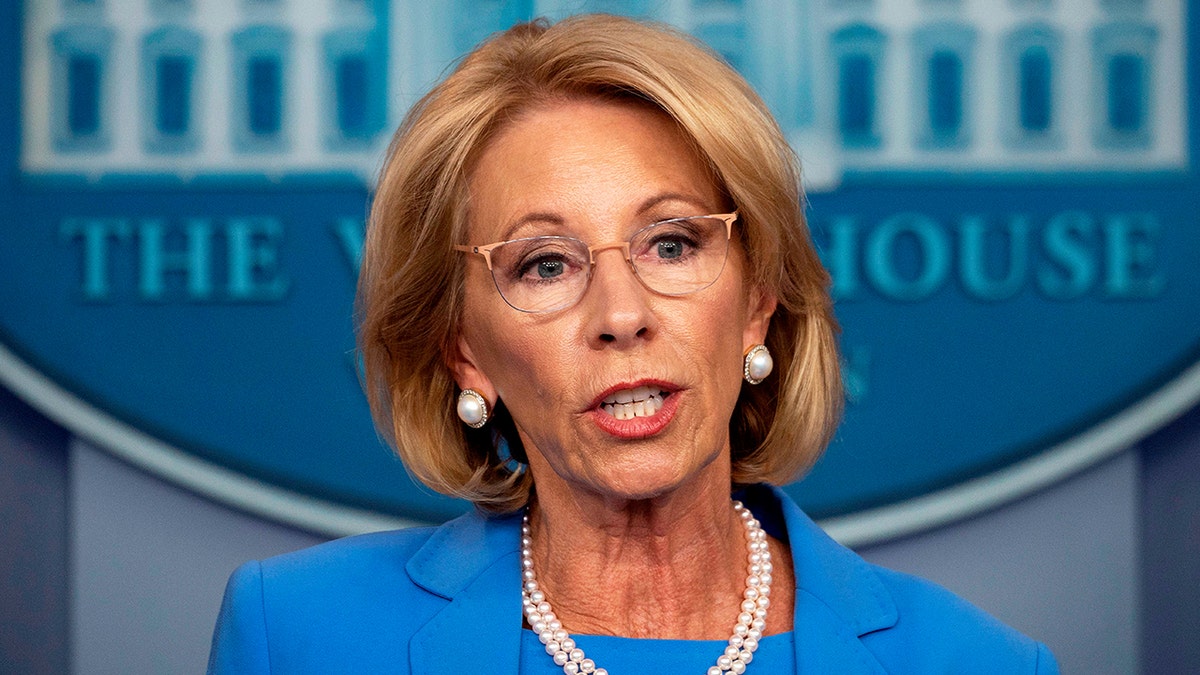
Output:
x=839 y=599
x=824 y=643
x=474 y=563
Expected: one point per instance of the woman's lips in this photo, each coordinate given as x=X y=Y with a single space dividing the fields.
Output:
x=638 y=411
x=641 y=401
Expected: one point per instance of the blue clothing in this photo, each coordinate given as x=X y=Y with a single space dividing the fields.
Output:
x=447 y=600
x=617 y=655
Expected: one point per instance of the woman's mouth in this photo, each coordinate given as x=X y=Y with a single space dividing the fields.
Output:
x=636 y=410
x=626 y=404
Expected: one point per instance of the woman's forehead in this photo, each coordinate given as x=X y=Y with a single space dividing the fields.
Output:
x=569 y=162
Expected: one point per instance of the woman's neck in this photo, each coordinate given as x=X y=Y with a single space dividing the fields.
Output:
x=673 y=566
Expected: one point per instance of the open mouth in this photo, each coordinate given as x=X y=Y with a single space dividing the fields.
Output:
x=627 y=404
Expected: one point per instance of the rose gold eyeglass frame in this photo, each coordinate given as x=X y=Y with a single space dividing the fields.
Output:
x=486 y=251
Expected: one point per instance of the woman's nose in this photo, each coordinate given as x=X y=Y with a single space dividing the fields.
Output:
x=617 y=303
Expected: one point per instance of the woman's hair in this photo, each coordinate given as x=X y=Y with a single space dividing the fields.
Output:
x=410 y=293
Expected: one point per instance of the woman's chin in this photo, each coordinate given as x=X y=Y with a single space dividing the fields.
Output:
x=647 y=480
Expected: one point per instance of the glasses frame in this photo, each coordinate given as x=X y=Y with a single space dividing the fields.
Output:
x=486 y=251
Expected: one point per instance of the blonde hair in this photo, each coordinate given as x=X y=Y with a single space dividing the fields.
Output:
x=410 y=290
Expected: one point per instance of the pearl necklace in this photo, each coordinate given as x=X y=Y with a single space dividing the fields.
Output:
x=746 y=632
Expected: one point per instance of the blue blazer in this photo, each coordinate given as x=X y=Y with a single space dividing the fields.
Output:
x=447 y=600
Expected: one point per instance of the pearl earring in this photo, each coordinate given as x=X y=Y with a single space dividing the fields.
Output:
x=472 y=408
x=757 y=365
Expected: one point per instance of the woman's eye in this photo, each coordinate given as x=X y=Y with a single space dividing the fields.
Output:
x=670 y=248
x=674 y=246
x=548 y=269
x=544 y=267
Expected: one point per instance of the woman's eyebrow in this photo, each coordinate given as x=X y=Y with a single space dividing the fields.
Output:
x=550 y=218
x=545 y=217
x=661 y=197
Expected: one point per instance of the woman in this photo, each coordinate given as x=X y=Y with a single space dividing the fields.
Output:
x=591 y=307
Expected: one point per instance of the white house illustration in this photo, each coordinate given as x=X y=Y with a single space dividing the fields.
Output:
x=217 y=88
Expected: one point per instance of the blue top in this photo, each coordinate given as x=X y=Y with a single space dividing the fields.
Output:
x=627 y=656
x=447 y=600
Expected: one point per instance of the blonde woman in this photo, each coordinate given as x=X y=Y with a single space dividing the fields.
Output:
x=590 y=306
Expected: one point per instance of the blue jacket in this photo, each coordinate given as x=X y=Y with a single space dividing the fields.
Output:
x=447 y=600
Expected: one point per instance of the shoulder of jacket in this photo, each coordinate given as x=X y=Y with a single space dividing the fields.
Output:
x=938 y=631
x=343 y=606
x=356 y=549
x=342 y=568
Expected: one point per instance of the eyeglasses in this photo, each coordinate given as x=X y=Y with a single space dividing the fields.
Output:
x=671 y=257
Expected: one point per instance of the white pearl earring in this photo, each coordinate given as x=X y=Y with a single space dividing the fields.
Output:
x=472 y=408
x=758 y=364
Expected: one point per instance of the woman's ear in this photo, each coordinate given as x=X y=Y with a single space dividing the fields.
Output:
x=760 y=307
x=467 y=372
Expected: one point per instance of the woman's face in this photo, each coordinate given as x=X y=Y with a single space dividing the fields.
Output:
x=600 y=171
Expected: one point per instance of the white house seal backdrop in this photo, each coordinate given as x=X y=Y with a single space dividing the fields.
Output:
x=1004 y=192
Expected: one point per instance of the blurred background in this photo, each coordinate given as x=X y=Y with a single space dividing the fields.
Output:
x=1004 y=192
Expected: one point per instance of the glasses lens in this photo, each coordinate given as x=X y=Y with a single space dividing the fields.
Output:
x=680 y=256
x=540 y=274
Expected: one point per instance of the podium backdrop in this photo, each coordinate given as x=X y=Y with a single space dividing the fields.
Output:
x=1005 y=193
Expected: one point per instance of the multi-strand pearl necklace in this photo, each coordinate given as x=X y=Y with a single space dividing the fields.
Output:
x=746 y=632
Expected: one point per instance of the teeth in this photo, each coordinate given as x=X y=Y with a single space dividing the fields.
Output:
x=630 y=395
x=647 y=404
